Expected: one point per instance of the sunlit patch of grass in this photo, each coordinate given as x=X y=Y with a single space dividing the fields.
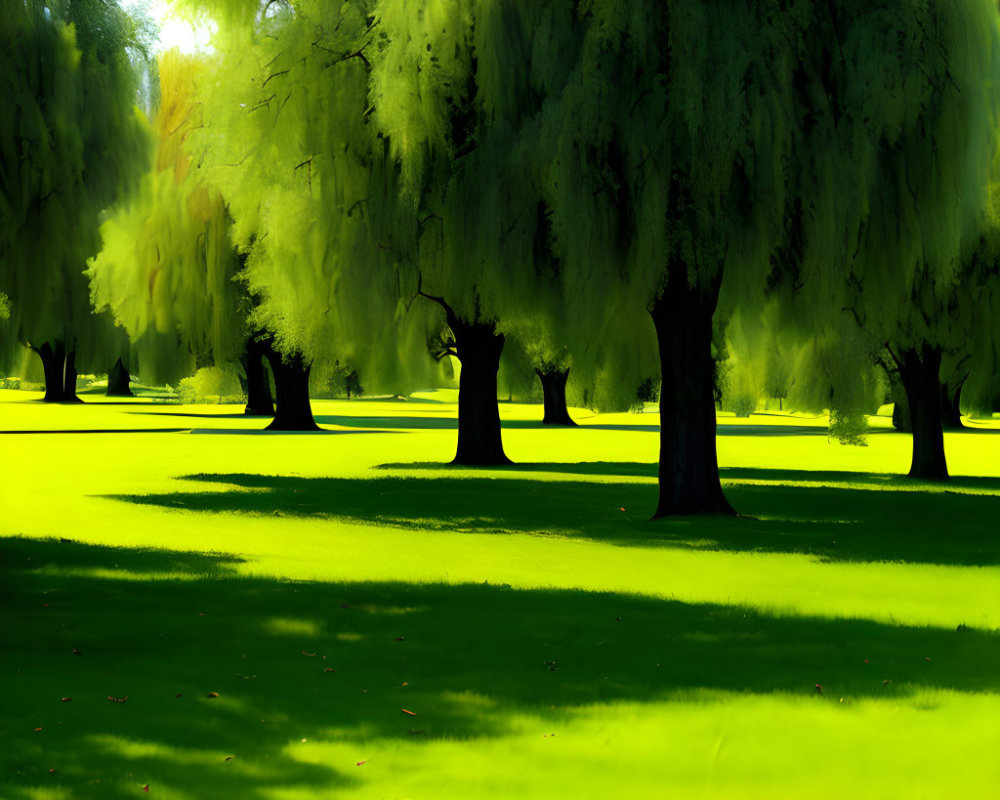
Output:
x=548 y=639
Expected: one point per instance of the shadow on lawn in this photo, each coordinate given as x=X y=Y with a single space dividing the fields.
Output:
x=451 y=423
x=836 y=524
x=338 y=662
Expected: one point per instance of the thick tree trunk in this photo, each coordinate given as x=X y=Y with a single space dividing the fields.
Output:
x=69 y=379
x=900 y=408
x=479 y=347
x=291 y=383
x=920 y=375
x=60 y=373
x=554 y=395
x=118 y=380
x=689 y=467
x=259 y=400
x=53 y=361
x=951 y=414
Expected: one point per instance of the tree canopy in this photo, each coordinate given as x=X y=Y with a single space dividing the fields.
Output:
x=71 y=143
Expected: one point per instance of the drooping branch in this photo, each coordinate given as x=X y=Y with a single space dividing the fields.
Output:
x=274 y=75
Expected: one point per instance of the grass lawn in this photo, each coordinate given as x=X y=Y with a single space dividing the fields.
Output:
x=192 y=608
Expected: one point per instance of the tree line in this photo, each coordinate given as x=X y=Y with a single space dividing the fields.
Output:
x=645 y=193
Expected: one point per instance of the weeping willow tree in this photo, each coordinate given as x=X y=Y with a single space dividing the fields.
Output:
x=898 y=130
x=706 y=156
x=317 y=213
x=665 y=177
x=458 y=89
x=71 y=143
x=167 y=265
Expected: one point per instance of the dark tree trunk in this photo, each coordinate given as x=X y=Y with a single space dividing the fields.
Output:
x=951 y=415
x=259 y=400
x=554 y=395
x=919 y=372
x=60 y=373
x=689 y=467
x=478 y=346
x=53 y=362
x=291 y=383
x=118 y=380
x=900 y=408
x=69 y=379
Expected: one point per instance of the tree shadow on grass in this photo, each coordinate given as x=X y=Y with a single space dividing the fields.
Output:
x=96 y=430
x=239 y=415
x=835 y=524
x=295 y=661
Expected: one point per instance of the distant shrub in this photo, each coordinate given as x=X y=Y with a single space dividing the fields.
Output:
x=648 y=392
x=211 y=385
x=12 y=382
x=849 y=428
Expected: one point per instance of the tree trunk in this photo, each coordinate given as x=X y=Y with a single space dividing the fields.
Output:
x=478 y=346
x=69 y=379
x=53 y=362
x=689 y=467
x=921 y=379
x=259 y=400
x=554 y=395
x=60 y=373
x=900 y=408
x=951 y=414
x=118 y=380
x=291 y=383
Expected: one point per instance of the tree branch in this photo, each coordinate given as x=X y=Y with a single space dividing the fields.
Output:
x=450 y=314
x=274 y=75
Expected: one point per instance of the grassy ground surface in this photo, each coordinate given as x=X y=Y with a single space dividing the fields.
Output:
x=193 y=608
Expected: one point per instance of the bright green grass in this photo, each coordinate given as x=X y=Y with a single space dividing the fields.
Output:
x=552 y=641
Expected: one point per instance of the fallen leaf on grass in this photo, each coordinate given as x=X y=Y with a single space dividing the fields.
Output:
x=65 y=699
x=361 y=763
x=145 y=788
x=329 y=669
x=407 y=711
x=212 y=694
x=118 y=699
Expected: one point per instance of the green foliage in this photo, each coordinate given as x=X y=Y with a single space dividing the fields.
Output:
x=167 y=266
x=71 y=143
x=742 y=388
x=211 y=385
x=287 y=138
x=336 y=381
x=849 y=428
